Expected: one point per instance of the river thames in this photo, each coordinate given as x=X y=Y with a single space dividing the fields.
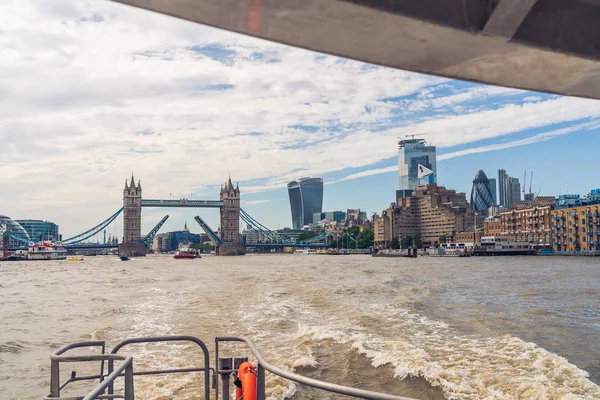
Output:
x=430 y=328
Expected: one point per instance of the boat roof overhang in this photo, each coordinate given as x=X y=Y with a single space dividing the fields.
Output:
x=544 y=45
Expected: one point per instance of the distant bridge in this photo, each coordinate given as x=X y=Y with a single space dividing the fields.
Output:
x=231 y=214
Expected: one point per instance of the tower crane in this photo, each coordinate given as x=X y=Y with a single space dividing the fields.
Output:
x=530 y=181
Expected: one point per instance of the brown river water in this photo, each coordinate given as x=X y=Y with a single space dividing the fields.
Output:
x=430 y=328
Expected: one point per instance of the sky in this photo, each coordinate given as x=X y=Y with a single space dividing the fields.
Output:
x=93 y=91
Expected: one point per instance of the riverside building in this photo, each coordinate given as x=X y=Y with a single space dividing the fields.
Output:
x=39 y=230
x=576 y=223
x=529 y=220
x=430 y=212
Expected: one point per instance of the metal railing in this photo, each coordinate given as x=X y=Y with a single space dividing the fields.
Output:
x=225 y=368
x=326 y=386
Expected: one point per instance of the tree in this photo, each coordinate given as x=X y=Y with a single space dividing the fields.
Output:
x=365 y=239
x=395 y=243
x=442 y=239
x=412 y=241
x=306 y=235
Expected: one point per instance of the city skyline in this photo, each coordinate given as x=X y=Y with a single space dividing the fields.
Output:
x=159 y=104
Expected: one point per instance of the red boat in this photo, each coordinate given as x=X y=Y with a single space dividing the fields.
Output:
x=186 y=252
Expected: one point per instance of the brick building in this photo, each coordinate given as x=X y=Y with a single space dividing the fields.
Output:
x=576 y=223
x=529 y=220
x=431 y=211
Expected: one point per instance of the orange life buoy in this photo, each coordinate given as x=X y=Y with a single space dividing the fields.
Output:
x=247 y=376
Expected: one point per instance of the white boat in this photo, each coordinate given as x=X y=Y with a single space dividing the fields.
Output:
x=47 y=251
x=304 y=252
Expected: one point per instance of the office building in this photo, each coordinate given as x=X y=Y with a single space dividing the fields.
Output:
x=331 y=216
x=481 y=195
x=306 y=199
x=416 y=165
x=430 y=212
x=576 y=223
x=170 y=241
x=492 y=184
x=515 y=187
x=252 y=235
x=529 y=221
x=509 y=189
x=502 y=184
x=39 y=230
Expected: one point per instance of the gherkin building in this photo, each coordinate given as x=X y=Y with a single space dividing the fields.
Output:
x=481 y=195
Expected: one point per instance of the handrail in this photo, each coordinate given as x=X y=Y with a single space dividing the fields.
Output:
x=126 y=366
x=180 y=338
x=330 y=387
x=125 y=369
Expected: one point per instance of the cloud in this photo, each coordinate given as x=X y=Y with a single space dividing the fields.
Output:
x=258 y=201
x=541 y=137
x=91 y=91
x=369 y=172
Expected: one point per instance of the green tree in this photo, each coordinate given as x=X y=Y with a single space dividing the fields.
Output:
x=395 y=243
x=442 y=239
x=365 y=239
x=306 y=235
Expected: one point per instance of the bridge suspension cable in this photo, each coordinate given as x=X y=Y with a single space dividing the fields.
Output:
x=278 y=238
x=263 y=230
x=91 y=232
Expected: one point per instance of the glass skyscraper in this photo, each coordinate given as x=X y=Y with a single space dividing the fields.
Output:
x=306 y=199
x=493 y=190
x=509 y=189
x=481 y=195
x=411 y=154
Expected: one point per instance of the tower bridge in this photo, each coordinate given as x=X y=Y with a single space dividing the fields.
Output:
x=228 y=205
x=135 y=244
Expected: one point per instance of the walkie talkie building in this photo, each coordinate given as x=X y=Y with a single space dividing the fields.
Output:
x=306 y=198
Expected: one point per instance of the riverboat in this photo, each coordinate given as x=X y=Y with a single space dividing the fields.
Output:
x=185 y=252
x=502 y=246
x=47 y=251
x=305 y=252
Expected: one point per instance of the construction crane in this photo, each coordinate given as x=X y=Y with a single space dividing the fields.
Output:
x=530 y=181
x=415 y=134
x=524 y=181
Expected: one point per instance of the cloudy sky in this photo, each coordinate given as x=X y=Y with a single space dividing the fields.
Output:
x=91 y=91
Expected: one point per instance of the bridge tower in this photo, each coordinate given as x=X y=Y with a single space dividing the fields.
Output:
x=132 y=221
x=230 y=221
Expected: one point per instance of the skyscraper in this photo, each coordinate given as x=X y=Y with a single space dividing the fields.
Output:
x=493 y=190
x=481 y=195
x=416 y=165
x=502 y=185
x=509 y=189
x=515 y=188
x=306 y=198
